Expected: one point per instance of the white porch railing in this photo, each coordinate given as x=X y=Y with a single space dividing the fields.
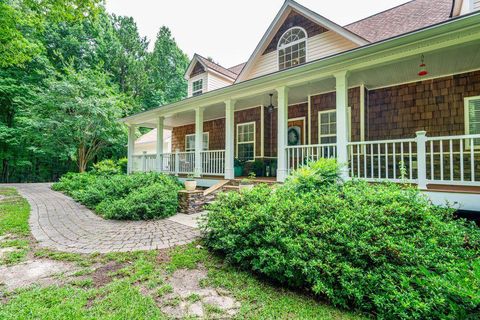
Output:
x=393 y=160
x=453 y=160
x=213 y=162
x=450 y=160
x=298 y=156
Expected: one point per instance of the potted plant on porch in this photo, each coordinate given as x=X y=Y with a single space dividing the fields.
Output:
x=190 y=183
x=237 y=167
x=247 y=183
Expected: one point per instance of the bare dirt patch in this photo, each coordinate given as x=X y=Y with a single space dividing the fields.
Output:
x=189 y=298
x=103 y=275
x=30 y=272
x=163 y=256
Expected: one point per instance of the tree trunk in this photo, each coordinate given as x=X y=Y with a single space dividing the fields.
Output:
x=81 y=161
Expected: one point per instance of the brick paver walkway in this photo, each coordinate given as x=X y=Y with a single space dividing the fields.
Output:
x=60 y=223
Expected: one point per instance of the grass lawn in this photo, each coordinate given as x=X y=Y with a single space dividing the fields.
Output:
x=135 y=285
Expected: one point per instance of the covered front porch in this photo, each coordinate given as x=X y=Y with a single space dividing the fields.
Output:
x=373 y=113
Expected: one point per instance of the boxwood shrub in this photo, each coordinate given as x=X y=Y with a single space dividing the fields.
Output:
x=119 y=196
x=380 y=248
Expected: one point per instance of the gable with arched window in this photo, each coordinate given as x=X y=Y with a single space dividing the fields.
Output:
x=292 y=48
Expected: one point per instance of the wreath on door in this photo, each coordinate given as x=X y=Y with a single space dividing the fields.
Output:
x=294 y=136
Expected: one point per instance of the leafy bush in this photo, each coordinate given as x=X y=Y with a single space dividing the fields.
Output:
x=119 y=196
x=150 y=202
x=315 y=175
x=380 y=248
x=106 y=167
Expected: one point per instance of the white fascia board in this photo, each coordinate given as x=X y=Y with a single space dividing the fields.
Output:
x=192 y=64
x=455 y=31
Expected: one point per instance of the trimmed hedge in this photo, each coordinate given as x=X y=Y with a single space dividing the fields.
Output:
x=378 y=248
x=138 y=196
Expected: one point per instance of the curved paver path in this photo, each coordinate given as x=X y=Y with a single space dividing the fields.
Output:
x=60 y=223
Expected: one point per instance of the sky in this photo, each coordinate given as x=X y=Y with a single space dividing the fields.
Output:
x=229 y=30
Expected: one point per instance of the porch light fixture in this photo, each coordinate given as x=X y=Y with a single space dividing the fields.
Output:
x=270 y=106
x=423 y=68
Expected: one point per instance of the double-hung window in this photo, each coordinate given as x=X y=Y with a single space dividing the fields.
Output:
x=327 y=127
x=472 y=117
x=246 y=141
x=190 y=142
x=197 y=87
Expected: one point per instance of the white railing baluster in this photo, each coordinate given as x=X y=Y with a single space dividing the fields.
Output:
x=410 y=156
x=451 y=159
x=432 y=170
x=441 y=160
x=461 y=160
x=394 y=162
x=472 y=160
x=364 y=160
x=379 y=162
x=372 y=165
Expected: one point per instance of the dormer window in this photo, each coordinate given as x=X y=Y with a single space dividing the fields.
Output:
x=292 y=48
x=197 y=87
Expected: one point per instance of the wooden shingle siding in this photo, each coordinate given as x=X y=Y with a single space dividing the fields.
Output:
x=436 y=106
x=294 y=19
x=216 y=134
x=198 y=69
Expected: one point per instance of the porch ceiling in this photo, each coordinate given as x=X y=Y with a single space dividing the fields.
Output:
x=439 y=63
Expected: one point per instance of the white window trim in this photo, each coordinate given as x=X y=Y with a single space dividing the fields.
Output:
x=254 y=138
x=320 y=136
x=291 y=44
x=200 y=91
x=349 y=123
x=193 y=134
x=466 y=112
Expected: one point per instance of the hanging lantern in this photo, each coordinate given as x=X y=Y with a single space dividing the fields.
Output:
x=422 y=68
x=271 y=107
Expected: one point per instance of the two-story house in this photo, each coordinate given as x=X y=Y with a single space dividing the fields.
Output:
x=395 y=96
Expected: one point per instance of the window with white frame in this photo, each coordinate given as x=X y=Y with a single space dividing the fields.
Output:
x=472 y=117
x=246 y=141
x=190 y=142
x=292 y=48
x=197 y=87
x=327 y=127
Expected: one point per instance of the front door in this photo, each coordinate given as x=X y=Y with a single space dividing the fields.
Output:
x=296 y=131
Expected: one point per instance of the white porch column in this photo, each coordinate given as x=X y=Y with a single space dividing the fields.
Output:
x=229 y=139
x=342 y=123
x=160 y=125
x=282 y=125
x=130 y=148
x=422 y=159
x=198 y=140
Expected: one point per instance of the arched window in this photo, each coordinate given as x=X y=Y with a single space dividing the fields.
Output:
x=292 y=48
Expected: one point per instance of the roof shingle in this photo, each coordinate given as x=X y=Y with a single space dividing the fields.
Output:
x=402 y=19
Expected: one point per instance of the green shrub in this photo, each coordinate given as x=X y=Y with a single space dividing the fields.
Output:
x=106 y=167
x=150 y=202
x=379 y=248
x=123 y=164
x=105 y=194
x=314 y=175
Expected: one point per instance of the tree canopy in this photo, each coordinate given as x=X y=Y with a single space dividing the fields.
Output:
x=68 y=72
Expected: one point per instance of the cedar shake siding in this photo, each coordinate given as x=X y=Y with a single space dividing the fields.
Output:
x=216 y=135
x=295 y=19
x=198 y=69
x=327 y=101
x=436 y=106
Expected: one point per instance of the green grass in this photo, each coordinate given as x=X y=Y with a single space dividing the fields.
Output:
x=14 y=212
x=125 y=297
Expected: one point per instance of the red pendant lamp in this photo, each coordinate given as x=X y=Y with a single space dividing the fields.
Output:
x=422 y=68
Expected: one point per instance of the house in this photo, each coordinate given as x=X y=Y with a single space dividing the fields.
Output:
x=147 y=143
x=395 y=96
